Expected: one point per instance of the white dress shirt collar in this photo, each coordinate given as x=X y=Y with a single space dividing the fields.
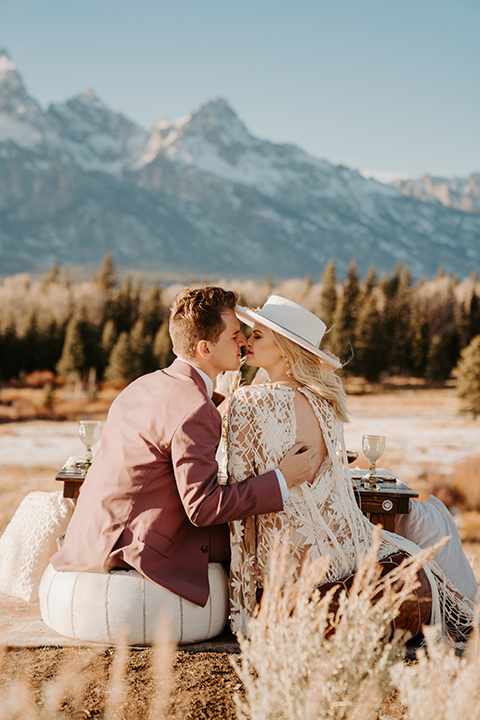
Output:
x=208 y=381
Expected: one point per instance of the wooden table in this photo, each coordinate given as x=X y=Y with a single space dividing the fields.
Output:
x=380 y=506
x=72 y=479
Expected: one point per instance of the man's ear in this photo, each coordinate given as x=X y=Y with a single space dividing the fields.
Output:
x=203 y=349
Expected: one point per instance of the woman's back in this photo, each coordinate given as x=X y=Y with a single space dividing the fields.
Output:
x=309 y=431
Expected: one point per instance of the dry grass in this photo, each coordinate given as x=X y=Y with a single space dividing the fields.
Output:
x=295 y=668
x=460 y=490
x=68 y=401
x=441 y=685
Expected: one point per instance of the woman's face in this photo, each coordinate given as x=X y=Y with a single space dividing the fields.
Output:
x=262 y=350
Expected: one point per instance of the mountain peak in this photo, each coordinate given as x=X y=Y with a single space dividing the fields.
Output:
x=219 y=122
x=10 y=80
x=90 y=94
x=6 y=64
x=13 y=96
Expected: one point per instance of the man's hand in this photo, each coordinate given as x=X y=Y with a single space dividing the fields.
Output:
x=299 y=464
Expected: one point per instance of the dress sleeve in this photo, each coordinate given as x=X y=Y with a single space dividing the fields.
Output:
x=243 y=533
x=240 y=440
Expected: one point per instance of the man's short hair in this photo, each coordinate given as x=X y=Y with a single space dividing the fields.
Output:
x=196 y=314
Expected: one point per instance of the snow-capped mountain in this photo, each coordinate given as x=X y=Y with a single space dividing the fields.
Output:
x=22 y=121
x=98 y=138
x=460 y=193
x=200 y=195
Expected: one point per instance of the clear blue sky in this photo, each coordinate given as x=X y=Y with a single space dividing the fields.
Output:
x=382 y=85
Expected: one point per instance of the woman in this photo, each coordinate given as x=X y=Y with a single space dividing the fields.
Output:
x=303 y=402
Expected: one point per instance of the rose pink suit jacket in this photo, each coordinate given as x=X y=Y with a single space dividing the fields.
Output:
x=151 y=499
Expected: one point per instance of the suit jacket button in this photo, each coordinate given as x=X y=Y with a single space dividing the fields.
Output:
x=204 y=548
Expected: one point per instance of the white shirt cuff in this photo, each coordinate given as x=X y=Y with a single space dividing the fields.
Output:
x=283 y=484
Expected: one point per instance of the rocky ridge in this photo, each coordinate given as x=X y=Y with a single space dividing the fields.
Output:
x=203 y=196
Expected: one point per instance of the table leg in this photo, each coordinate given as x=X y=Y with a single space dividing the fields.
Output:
x=387 y=520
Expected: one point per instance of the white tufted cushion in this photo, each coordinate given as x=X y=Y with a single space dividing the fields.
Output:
x=100 y=607
x=29 y=541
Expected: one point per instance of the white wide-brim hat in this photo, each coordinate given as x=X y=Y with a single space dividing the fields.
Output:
x=291 y=320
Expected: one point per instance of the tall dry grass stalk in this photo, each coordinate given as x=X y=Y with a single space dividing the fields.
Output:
x=294 y=668
x=441 y=685
x=162 y=673
x=87 y=683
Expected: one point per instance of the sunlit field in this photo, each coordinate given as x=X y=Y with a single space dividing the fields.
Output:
x=429 y=445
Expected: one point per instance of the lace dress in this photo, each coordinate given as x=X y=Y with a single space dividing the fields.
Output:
x=322 y=517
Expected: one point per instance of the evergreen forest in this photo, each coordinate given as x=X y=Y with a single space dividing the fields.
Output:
x=115 y=330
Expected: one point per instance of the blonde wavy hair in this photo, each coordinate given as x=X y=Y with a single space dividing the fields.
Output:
x=313 y=373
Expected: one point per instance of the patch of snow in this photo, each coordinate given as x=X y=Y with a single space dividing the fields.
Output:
x=418 y=441
x=39 y=443
x=6 y=65
x=384 y=176
x=21 y=133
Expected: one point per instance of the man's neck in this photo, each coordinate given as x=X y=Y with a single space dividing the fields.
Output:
x=206 y=377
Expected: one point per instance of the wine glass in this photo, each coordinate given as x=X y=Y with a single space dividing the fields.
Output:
x=373 y=447
x=89 y=432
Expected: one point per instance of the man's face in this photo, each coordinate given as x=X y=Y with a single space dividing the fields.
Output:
x=226 y=353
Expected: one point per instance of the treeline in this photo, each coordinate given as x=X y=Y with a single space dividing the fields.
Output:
x=116 y=331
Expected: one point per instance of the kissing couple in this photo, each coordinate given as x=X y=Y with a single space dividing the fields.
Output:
x=151 y=507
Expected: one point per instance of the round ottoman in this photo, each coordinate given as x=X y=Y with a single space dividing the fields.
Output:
x=124 y=606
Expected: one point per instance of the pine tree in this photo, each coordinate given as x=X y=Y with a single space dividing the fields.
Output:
x=328 y=298
x=345 y=320
x=109 y=338
x=467 y=373
x=420 y=331
x=143 y=358
x=50 y=344
x=91 y=335
x=370 y=280
x=152 y=311
x=120 y=370
x=369 y=359
x=107 y=276
x=464 y=325
x=397 y=318
x=123 y=308
x=10 y=352
x=162 y=346
x=53 y=275
x=440 y=351
x=444 y=342
x=30 y=344
x=474 y=316
x=72 y=359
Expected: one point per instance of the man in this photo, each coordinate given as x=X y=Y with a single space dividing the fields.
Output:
x=151 y=499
